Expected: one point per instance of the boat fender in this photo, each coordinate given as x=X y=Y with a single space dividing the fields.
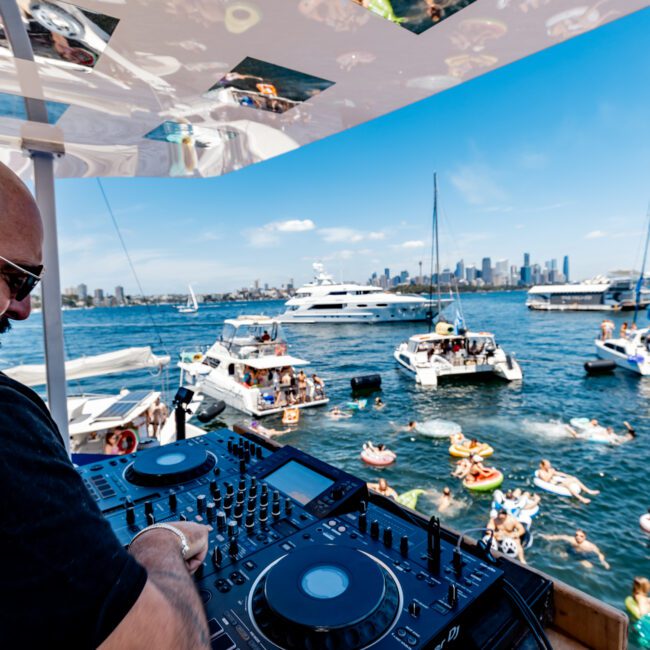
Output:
x=366 y=383
x=127 y=442
x=599 y=367
x=210 y=411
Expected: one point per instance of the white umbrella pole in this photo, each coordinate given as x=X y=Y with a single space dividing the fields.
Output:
x=51 y=294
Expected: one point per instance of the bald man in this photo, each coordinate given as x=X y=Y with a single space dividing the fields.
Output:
x=65 y=580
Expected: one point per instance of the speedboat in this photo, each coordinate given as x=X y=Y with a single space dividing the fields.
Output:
x=250 y=370
x=327 y=301
x=435 y=356
x=631 y=352
x=92 y=418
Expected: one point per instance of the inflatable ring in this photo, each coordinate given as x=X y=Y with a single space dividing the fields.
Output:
x=485 y=483
x=459 y=451
x=358 y=405
x=644 y=522
x=197 y=357
x=236 y=25
x=291 y=416
x=437 y=428
x=378 y=458
x=552 y=487
x=127 y=442
x=633 y=607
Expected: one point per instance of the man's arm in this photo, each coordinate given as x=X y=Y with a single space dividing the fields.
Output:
x=169 y=614
x=553 y=538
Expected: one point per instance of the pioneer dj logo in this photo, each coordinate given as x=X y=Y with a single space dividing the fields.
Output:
x=452 y=636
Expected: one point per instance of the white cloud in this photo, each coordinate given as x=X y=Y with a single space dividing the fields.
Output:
x=595 y=234
x=267 y=235
x=414 y=243
x=477 y=185
x=534 y=160
x=349 y=235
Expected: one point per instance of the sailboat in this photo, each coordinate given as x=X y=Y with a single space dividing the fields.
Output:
x=450 y=350
x=192 y=306
x=631 y=351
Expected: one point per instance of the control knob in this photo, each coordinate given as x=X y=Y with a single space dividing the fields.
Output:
x=221 y=520
x=173 y=501
x=388 y=536
x=374 y=529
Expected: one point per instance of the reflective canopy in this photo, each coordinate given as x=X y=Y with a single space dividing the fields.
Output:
x=203 y=87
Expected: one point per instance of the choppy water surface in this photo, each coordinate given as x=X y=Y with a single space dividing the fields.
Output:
x=522 y=422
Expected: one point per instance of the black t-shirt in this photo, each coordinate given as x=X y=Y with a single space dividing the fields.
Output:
x=65 y=579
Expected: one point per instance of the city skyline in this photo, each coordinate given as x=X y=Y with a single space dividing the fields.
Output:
x=563 y=163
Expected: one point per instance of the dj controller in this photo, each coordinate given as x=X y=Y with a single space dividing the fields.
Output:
x=301 y=556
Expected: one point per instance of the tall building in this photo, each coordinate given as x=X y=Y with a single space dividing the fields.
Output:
x=119 y=295
x=486 y=270
x=387 y=274
x=460 y=270
x=470 y=273
x=526 y=276
x=404 y=277
x=526 y=259
x=98 y=298
x=565 y=268
x=82 y=291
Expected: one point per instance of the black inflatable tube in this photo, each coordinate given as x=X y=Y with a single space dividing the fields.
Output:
x=210 y=411
x=366 y=383
x=600 y=367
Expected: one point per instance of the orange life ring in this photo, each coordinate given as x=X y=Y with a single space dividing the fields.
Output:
x=127 y=442
x=267 y=89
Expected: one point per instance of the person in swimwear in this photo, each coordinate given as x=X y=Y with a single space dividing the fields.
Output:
x=549 y=474
x=505 y=525
x=379 y=404
x=477 y=470
x=110 y=443
x=580 y=544
x=337 y=414
x=529 y=501
x=269 y=433
x=462 y=468
x=445 y=501
x=412 y=426
x=640 y=590
x=382 y=487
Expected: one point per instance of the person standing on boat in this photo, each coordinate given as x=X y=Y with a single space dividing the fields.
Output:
x=67 y=581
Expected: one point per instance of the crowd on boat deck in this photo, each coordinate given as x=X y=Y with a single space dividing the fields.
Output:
x=283 y=386
x=459 y=350
x=607 y=330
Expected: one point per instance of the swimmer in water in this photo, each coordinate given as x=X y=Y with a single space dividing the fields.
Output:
x=640 y=590
x=337 y=414
x=529 y=501
x=382 y=487
x=375 y=449
x=580 y=544
x=379 y=404
x=505 y=525
x=412 y=426
x=477 y=470
x=548 y=473
x=444 y=503
x=265 y=431
x=462 y=468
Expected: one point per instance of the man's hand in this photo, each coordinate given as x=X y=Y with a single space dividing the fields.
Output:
x=197 y=538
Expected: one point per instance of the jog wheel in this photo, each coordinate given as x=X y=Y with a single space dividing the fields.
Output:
x=324 y=598
x=169 y=465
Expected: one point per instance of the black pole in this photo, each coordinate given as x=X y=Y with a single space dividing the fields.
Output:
x=179 y=416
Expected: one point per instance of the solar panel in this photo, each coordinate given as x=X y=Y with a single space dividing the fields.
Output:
x=124 y=405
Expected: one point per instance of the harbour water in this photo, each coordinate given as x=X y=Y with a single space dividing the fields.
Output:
x=523 y=422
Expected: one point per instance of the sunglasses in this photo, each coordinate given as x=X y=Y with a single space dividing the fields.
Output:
x=21 y=280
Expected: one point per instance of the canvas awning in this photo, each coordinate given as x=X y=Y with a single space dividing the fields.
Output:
x=265 y=363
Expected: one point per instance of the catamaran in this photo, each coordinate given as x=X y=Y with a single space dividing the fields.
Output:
x=192 y=305
x=451 y=351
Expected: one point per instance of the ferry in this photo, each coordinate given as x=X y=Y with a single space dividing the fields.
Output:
x=327 y=301
x=602 y=293
x=249 y=369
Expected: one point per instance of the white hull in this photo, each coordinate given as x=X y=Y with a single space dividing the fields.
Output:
x=631 y=358
x=393 y=314
x=537 y=306
x=246 y=399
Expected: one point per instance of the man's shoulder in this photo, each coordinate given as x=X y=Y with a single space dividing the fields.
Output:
x=10 y=389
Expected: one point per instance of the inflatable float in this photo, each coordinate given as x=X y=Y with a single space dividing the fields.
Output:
x=410 y=499
x=291 y=416
x=553 y=488
x=587 y=431
x=377 y=458
x=644 y=522
x=437 y=428
x=485 y=483
x=460 y=450
x=357 y=405
x=516 y=507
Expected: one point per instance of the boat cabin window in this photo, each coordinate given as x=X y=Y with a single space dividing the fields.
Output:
x=211 y=361
x=337 y=293
x=332 y=306
x=616 y=348
x=231 y=369
x=382 y=304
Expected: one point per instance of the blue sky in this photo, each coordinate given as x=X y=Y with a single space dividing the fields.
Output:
x=549 y=155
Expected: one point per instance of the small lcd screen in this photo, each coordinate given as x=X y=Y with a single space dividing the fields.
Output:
x=298 y=481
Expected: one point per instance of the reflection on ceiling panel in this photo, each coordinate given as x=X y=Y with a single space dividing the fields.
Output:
x=63 y=33
x=171 y=81
x=269 y=87
x=13 y=107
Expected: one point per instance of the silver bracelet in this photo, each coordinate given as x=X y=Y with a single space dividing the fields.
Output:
x=185 y=547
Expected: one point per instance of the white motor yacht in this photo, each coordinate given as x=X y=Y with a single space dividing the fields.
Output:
x=249 y=369
x=327 y=301
x=602 y=293
x=435 y=356
x=631 y=352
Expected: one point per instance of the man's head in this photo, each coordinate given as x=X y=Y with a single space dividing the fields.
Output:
x=21 y=242
x=382 y=484
x=580 y=536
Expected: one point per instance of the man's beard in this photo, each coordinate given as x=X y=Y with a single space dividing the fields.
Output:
x=5 y=324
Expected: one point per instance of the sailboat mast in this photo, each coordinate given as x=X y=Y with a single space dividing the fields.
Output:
x=435 y=253
x=639 y=284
